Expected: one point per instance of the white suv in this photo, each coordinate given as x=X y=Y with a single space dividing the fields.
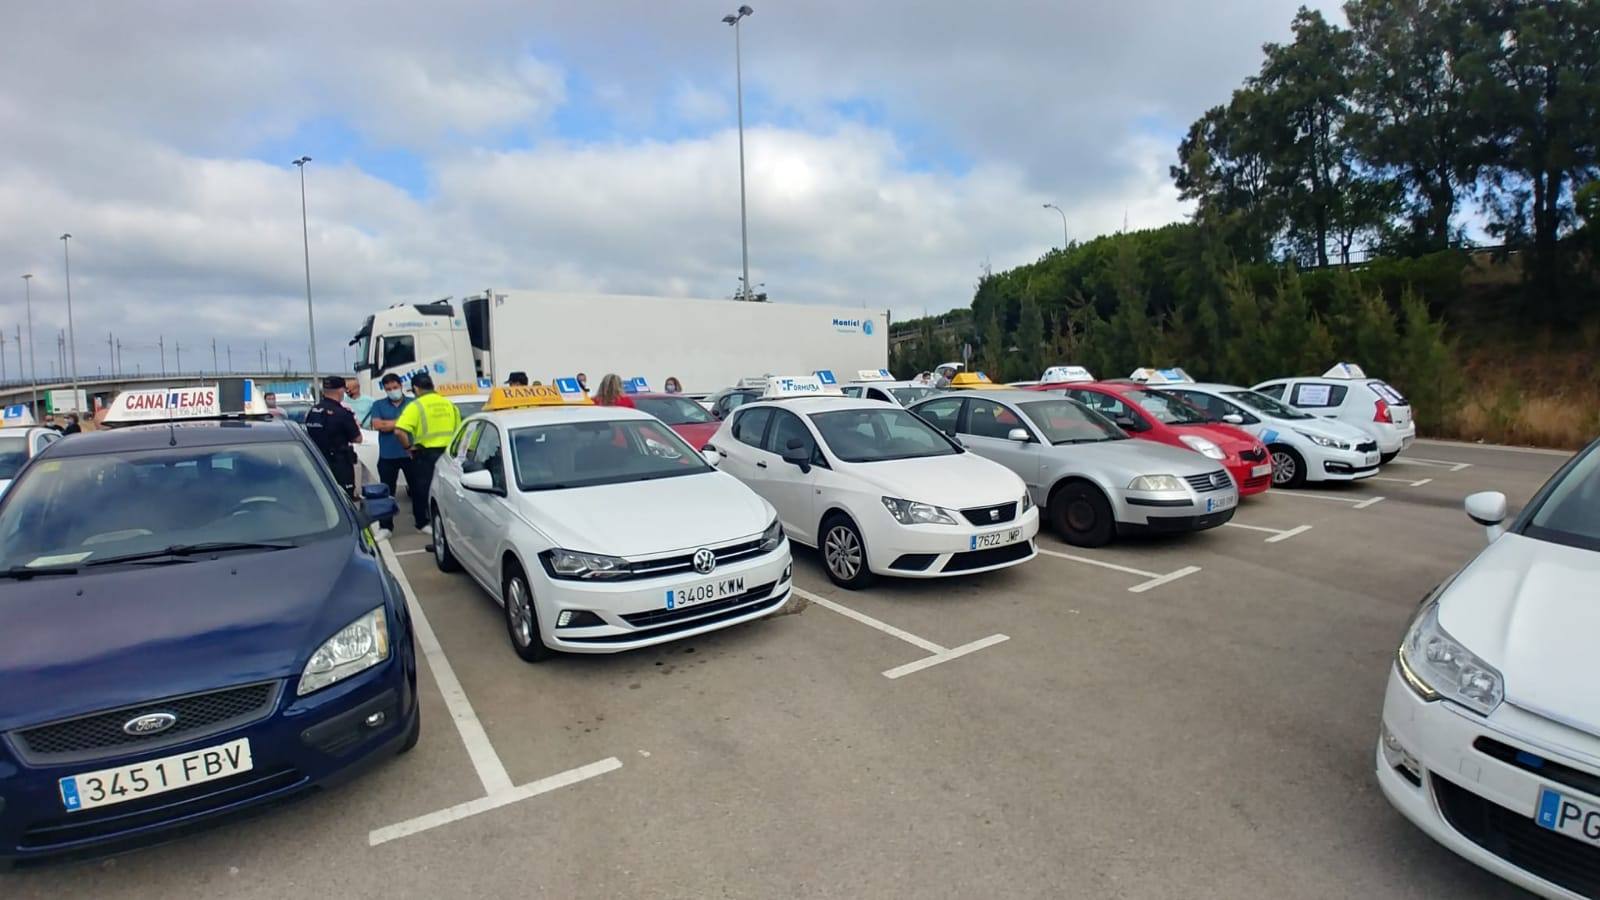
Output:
x=1345 y=393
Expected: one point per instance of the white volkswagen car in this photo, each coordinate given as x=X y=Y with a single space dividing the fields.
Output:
x=877 y=489
x=598 y=529
x=1346 y=394
x=1490 y=740
x=880 y=384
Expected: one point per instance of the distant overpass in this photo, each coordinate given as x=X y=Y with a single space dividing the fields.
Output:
x=104 y=388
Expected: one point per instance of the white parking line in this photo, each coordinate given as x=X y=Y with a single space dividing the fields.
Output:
x=411 y=552
x=1355 y=503
x=1278 y=534
x=1405 y=481
x=1155 y=578
x=1452 y=465
x=940 y=654
x=493 y=801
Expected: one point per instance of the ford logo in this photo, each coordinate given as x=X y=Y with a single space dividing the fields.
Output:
x=704 y=561
x=150 y=723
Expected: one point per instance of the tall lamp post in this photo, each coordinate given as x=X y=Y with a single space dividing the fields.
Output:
x=72 y=338
x=1063 y=224
x=33 y=368
x=733 y=19
x=305 y=239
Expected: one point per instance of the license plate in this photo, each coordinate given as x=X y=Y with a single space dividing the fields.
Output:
x=996 y=538
x=1371 y=459
x=707 y=592
x=1217 y=504
x=154 y=776
x=1263 y=469
x=1574 y=818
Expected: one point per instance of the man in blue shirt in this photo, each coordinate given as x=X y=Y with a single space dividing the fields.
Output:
x=392 y=457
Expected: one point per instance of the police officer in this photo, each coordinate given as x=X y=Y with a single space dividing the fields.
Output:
x=333 y=429
x=425 y=428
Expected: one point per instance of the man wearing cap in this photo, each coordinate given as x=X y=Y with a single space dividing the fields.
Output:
x=518 y=379
x=333 y=429
x=425 y=428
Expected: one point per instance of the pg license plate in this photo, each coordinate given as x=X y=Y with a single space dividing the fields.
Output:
x=706 y=592
x=1217 y=504
x=154 y=776
x=1263 y=469
x=1574 y=818
x=996 y=538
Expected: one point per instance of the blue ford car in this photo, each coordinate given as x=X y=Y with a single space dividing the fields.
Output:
x=192 y=622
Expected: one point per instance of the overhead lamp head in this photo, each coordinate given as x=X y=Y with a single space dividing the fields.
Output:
x=730 y=19
x=746 y=11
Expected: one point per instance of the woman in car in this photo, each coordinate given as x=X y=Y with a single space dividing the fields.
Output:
x=610 y=392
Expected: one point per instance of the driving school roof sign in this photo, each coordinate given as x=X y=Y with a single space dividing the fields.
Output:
x=523 y=396
x=165 y=404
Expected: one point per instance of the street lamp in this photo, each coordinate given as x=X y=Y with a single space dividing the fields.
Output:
x=33 y=369
x=305 y=238
x=1063 y=224
x=733 y=19
x=72 y=340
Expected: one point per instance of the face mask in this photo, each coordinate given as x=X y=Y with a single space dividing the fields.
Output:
x=394 y=395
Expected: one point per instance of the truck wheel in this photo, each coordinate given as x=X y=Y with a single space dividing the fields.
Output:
x=1081 y=515
x=1288 y=467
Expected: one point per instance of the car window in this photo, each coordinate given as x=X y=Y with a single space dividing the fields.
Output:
x=910 y=395
x=467 y=407
x=1387 y=392
x=462 y=437
x=585 y=454
x=673 y=410
x=1214 y=407
x=751 y=424
x=1167 y=408
x=852 y=390
x=13 y=453
x=399 y=350
x=44 y=440
x=1264 y=404
x=877 y=394
x=1104 y=404
x=986 y=418
x=1565 y=514
x=942 y=413
x=1275 y=391
x=1064 y=421
x=485 y=443
x=879 y=434
x=786 y=426
x=1317 y=395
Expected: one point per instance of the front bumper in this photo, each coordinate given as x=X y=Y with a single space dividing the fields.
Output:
x=1173 y=511
x=1330 y=464
x=306 y=743
x=1481 y=806
x=940 y=551
x=1246 y=477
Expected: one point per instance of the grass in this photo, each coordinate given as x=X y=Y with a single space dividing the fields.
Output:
x=1539 y=397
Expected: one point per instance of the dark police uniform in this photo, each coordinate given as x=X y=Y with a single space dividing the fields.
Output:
x=332 y=428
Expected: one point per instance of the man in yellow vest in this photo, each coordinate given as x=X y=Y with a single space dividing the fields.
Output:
x=425 y=428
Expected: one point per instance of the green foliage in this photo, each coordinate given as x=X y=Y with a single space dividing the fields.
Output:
x=1425 y=368
x=1026 y=362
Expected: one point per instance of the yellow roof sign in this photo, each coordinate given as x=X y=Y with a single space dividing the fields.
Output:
x=522 y=397
x=970 y=380
x=458 y=388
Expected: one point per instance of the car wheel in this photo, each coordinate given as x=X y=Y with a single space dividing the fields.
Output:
x=1288 y=467
x=1081 y=515
x=414 y=733
x=844 y=554
x=1386 y=458
x=442 y=557
x=522 y=620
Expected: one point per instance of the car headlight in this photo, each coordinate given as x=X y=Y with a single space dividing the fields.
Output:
x=358 y=646
x=1436 y=665
x=575 y=566
x=1027 y=501
x=1321 y=441
x=1202 y=446
x=1156 y=483
x=908 y=513
x=772 y=537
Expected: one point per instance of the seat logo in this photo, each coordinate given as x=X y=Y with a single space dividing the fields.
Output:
x=152 y=723
x=994 y=515
x=704 y=561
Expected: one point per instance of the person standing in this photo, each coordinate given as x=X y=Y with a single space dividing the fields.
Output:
x=72 y=426
x=358 y=404
x=583 y=382
x=673 y=386
x=611 y=393
x=393 y=460
x=333 y=429
x=425 y=428
x=273 y=409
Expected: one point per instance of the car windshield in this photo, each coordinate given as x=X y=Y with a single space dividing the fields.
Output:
x=878 y=434
x=89 y=510
x=1569 y=510
x=674 y=410
x=1069 y=422
x=469 y=407
x=910 y=395
x=1167 y=408
x=585 y=454
x=13 y=453
x=1265 y=405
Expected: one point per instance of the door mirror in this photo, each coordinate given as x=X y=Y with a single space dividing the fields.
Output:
x=378 y=509
x=480 y=481
x=1488 y=508
x=1233 y=419
x=797 y=453
x=712 y=455
x=1127 y=423
x=1020 y=435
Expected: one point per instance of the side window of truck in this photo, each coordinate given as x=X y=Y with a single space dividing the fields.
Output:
x=399 y=350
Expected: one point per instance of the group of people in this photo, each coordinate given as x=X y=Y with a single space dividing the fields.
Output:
x=611 y=391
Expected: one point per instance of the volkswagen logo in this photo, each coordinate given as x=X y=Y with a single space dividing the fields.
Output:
x=150 y=723
x=704 y=561
x=1219 y=479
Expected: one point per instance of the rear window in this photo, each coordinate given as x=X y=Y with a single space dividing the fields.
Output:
x=1382 y=389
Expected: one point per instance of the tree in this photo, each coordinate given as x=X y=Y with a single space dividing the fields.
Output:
x=1294 y=339
x=1425 y=366
x=1223 y=166
x=1131 y=338
x=992 y=351
x=1240 y=362
x=1026 y=362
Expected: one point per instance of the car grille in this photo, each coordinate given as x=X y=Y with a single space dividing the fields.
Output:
x=672 y=565
x=101 y=734
x=1259 y=481
x=1519 y=840
x=981 y=559
x=1210 y=481
x=1253 y=455
x=1547 y=769
x=1367 y=447
x=991 y=515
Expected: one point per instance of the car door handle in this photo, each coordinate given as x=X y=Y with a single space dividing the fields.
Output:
x=761 y=465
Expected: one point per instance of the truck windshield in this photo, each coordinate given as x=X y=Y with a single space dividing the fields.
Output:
x=876 y=434
x=586 y=454
x=674 y=410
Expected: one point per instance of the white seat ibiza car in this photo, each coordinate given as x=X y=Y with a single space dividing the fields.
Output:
x=877 y=489
x=598 y=529
x=1490 y=740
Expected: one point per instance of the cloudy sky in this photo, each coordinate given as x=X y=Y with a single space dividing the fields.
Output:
x=894 y=148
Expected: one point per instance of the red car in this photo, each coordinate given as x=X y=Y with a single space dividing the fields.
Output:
x=688 y=418
x=1154 y=416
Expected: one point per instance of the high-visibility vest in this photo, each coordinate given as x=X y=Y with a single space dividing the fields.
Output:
x=433 y=422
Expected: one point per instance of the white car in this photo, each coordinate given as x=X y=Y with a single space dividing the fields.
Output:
x=1490 y=739
x=900 y=393
x=599 y=530
x=17 y=446
x=1303 y=447
x=1345 y=393
x=877 y=489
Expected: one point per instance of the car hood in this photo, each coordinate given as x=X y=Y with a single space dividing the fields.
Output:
x=1230 y=438
x=79 y=643
x=641 y=518
x=959 y=481
x=697 y=434
x=1520 y=607
x=1328 y=428
x=1131 y=458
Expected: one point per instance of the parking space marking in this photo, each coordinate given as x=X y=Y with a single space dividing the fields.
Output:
x=1278 y=534
x=1156 y=579
x=411 y=552
x=493 y=801
x=1405 y=481
x=1452 y=465
x=1439 y=442
x=1354 y=502
x=939 y=653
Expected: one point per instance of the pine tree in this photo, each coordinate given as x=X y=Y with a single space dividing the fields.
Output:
x=1426 y=367
x=1241 y=363
x=1025 y=363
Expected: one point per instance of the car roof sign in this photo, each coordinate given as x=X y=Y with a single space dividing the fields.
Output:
x=1065 y=375
x=636 y=385
x=754 y=381
x=800 y=386
x=1161 y=376
x=17 y=415
x=166 y=405
x=970 y=380
x=874 y=375
x=826 y=376
x=527 y=396
x=458 y=388
x=1344 y=370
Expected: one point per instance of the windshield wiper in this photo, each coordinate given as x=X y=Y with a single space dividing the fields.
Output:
x=22 y=573
x=181 y=550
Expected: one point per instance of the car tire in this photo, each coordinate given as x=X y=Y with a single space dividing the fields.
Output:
x=414 y=733
x=1082 y=515
x=522 y=616
x=844 y=553
x=442 y=557
x=1288 y=467
x=1385 y=458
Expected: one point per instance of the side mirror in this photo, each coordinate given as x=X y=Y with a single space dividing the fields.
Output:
x=1020 y=435
x=378 y=509
x=713 y=455
x=1233 y=419
x=797 y=453
x=374 y=491
x=481 y=481
x=1488 y=508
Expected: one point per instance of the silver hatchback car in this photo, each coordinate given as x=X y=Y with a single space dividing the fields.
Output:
x=1090 y=480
